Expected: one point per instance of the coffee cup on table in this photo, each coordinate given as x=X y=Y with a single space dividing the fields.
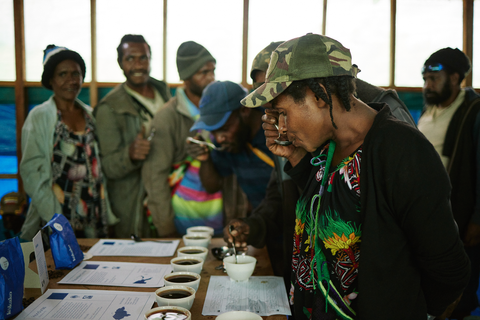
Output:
x=183 y=278
x=197 y=239
x=239 y=268
x=179 y=296
x=168 y=312
x=200 y=229
x=192 y=251
x=189 y=264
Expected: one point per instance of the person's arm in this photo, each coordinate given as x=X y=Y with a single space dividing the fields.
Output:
x=472 y=236
x=115 y=153
x=212 y=181
x=419 y=191
x=36 y=168
x=156 y=170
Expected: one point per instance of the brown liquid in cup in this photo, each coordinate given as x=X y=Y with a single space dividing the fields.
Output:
x=196 y=238
x=182 y=279
x=193 y=251
x=175 y=294
x=187 y=262
x=172 y=314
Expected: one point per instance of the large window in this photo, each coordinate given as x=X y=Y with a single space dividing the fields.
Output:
x=215 y=24
x=279 y=20
x=142 y=17
x=7 y=42
x=59 y=22
x=423 y=27
x=364 y=28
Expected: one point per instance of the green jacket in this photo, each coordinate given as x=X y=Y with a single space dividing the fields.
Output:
x=118 y=123
x=36 y=167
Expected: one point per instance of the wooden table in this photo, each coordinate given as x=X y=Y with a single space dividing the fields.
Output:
x=262 y=268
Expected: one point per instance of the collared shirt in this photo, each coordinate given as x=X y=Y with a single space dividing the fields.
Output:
x=153 y=105
x=434 y=124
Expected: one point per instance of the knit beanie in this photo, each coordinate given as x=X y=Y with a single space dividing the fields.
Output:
x=52 y=56
x=454 y=60
x=191 y=56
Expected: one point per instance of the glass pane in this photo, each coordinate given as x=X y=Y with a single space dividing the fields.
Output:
x=7 y=186
x=7 y=42
x=63 y=23
x=8 y=165
x=115 y=21
x=476 y=45
x=220 y=33
x=8 y=139
x=282 y=25
x=420 y=34
x=367 y=38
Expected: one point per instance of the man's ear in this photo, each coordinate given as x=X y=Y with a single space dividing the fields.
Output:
x=320 y=102
x=455 y=79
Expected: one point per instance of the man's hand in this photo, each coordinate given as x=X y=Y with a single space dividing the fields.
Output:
x=290 y=152
x=196 y=151
x=240 y=232
x=472 y=237
x=140 y=147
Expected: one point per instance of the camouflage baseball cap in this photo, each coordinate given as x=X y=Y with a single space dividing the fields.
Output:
x=262 y=59
x=309 y=56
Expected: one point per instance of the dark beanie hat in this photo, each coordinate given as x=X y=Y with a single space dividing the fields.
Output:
x=191 y=56
x=453 y=60
x=52 y=56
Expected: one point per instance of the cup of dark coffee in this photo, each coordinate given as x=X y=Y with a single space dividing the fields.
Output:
x=189 y=279
x=200 y=252
x=168 y=312
x=190 y=264
x=199 y=239
x=179 y=296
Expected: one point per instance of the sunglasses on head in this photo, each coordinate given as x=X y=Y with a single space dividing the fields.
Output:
x=434 y=67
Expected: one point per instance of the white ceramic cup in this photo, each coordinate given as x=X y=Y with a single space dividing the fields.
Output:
x=177 y=265
x=241 y=269
x=169 y=279
x=185 y=302
x=200 y=229
x=189 y=252
x=201 y=239
x=238 y=315
x=150 y=314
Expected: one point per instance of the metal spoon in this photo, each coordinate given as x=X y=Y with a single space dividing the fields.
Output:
x=205 y=143
x=230 y=229
x=281 y=142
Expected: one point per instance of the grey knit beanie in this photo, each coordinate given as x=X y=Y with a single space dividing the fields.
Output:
x=191 y=56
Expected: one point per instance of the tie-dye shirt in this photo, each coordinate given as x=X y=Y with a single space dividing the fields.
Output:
x=192 y=204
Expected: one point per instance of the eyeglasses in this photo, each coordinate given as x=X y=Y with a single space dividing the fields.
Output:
x=434 y=67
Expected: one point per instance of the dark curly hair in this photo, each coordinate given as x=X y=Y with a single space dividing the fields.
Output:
x=130 y=38
x=341 y=86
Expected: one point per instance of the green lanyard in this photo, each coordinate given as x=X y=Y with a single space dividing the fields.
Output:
x=328 y=162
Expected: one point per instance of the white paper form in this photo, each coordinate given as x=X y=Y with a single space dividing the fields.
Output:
x=130 y=248
x=122 y=274
x=56 y=304
x=264 y=296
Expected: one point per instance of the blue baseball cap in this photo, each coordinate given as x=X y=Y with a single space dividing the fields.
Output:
x=218 y=101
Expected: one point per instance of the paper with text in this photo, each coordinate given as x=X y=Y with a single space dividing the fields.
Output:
x=122 y=274
x=130 y=248
x=69 y=304
x=264 y=296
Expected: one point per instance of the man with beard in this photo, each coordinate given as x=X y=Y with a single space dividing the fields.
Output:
x=238 y=133
x=176 y=198
x=451 y=122
x=123 y=116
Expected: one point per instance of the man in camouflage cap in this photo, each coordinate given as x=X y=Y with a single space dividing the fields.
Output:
x=396 y=213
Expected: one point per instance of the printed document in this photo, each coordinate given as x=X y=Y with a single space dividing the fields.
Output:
x=263 y=295
x=122 y=274
x=69 y=304
x=130 y=248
